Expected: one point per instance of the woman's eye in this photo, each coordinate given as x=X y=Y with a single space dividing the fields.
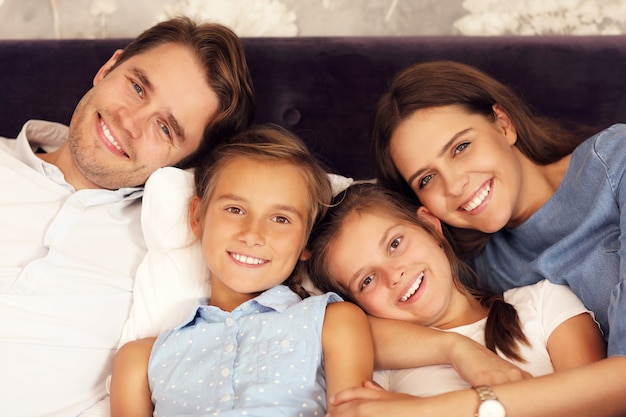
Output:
x=460 y=148
x=367 y=281
x=394 y=244
x=424 y=181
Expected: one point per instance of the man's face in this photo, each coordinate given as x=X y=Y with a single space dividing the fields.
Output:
x=148 y=112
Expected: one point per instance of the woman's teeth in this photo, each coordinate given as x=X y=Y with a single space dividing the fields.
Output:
x=479 y=198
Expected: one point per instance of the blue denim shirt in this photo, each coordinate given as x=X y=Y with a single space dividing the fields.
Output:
x=576 y=238
x=262 y=359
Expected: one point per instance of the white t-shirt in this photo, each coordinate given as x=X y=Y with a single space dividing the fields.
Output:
x=541 y=308
x=67 y=263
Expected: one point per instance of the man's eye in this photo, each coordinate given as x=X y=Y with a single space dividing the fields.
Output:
x=367 y=281
x=234 y=210
x=165 y=129
x=138 y=89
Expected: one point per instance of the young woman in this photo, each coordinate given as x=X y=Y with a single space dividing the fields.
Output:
x=526 y=201
x=372 y=249
x=261 y=346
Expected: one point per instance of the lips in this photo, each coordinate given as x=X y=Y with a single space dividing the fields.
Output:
x=109 y=137
x=248 y=260
x=413 y=288
x=478 y=198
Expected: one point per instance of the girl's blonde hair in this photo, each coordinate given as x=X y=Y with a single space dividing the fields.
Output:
x=502 y=331
x=270 y=143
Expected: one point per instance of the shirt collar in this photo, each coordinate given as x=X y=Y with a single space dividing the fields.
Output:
x=49 y=136
x=277 y=298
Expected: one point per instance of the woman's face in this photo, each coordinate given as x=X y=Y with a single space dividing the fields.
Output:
x=463 y=167
x=395 y=270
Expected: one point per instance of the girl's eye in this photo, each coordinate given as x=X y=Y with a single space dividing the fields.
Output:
x=138 y=89
x=234 y=210
x=367 y=281
x=461 y=147
x=281 y=220
x=424 y=181
x=394 y=244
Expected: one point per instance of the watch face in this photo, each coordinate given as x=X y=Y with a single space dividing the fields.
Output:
x=491 y=408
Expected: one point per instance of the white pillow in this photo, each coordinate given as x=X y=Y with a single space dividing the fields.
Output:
x=172 y=278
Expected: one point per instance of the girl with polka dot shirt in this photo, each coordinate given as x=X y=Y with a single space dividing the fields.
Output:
x=261 y=346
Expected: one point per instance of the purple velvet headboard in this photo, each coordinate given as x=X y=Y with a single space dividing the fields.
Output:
x=326 y=89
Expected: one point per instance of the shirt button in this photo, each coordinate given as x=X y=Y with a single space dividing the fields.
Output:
x=225 y=372
x=230 y=321
x=284 y=344
x=229 y=348
x=225 y=398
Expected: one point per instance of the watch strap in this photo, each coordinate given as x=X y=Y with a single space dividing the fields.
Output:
x=485 y=393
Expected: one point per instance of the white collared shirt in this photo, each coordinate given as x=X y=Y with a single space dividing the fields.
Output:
x=67 y=263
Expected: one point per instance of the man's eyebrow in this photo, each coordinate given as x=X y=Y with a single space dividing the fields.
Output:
x=176 y=127
x=171 y=120
x=143 y=78
x=443 y=150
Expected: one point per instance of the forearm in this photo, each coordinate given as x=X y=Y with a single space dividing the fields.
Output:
x=399 y=344
x=593 y=390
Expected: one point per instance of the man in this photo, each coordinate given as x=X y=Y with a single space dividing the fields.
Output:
x=71 y=239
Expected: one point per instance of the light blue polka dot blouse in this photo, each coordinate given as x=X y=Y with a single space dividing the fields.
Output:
x=262 y=359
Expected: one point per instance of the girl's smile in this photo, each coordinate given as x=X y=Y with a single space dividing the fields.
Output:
x=254 y=228
x=397 y=270
x=247 y=260
x=412 y=290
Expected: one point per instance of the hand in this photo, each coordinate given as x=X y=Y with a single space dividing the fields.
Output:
x=479 y=366
x=370 y=400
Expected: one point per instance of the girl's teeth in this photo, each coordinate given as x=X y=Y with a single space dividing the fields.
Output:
x=414 y=287
x=248 y=259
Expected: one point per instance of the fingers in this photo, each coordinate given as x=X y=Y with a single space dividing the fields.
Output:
x=360 y=393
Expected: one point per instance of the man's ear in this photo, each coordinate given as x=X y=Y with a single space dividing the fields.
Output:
x=504 y=123
x=195 y=215
x=104 y=70
x=425 y=214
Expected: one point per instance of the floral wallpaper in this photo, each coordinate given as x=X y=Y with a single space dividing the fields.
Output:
x=119 y=18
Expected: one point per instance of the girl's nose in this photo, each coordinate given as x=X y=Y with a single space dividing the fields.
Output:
x=252 y=234
x=393 y=277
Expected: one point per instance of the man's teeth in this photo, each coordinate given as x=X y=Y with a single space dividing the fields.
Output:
x=414 y=287
x=479 y=198
x=109 y=137
x=248 y=259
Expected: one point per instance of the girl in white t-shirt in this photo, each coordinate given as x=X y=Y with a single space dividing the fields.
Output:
x=373 y=249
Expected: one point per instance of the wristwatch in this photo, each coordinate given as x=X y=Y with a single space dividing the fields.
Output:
x=489 y=405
